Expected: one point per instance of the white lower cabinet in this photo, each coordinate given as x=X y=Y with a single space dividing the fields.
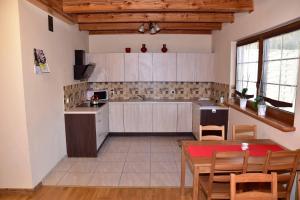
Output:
x=184 y=117
x=102 y=125
x=164 y=117
x=116 y=117
x=138 y=117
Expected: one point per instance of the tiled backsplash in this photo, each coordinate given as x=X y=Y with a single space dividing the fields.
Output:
x=152 y=90
x=74 y=94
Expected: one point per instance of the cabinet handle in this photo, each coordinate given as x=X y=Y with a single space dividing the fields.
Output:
x=213 y=110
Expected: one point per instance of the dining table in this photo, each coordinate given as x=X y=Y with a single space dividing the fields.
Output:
x=197 y=155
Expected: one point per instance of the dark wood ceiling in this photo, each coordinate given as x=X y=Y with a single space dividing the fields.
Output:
x=125 y=16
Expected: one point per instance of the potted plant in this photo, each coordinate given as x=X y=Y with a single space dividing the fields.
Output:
x=260 y=105
x=244 y=97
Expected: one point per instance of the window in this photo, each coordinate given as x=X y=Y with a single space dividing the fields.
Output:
x=268 y=64
x=247 y=67
x=280 y=68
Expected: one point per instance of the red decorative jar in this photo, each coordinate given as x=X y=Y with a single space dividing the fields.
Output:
x=143 y=49
x=127 y=50
x=164 y=49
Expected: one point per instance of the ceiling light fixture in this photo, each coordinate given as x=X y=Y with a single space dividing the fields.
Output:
x=153 y=28
x=141 y=28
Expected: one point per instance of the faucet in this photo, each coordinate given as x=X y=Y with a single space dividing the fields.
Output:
x=142 y=97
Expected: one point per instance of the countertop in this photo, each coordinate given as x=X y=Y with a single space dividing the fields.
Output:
x=203 y=105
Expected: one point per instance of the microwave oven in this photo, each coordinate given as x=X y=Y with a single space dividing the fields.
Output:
x=101 y=94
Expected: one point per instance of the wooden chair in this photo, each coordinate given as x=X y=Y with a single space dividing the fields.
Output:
x=211 y=128
x=253 y=194
x=285 y=164
x=217 y=184
x=244 y=131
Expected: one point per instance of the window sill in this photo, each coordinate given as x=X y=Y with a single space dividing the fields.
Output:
x=267 y=120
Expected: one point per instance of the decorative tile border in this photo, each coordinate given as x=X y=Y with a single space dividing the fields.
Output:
x=152 y=90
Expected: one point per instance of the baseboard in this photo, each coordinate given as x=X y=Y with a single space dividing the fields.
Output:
x=151 y=134
x=21 y=190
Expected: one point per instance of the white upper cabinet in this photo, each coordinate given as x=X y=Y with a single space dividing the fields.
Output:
x=99 y=74
x=115 y=67
x=185 y=66
x=204 y=68
x=164 y=67
x=145 y=67
x=131 y=67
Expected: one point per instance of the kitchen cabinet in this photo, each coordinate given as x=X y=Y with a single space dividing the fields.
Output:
x=204 y=67
x=185 y=66
x=116 y=117
x=131 y=117
x=138 y=117
x=164 y=117
x=131 y=67
x=86 y=132
x=184 y=117
x=100 y=71
x=164 y=67
x=145 y=67
x=115 y=67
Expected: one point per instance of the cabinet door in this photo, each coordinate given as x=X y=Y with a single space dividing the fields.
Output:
x=100 y=72
x=131 y=67
x=185 y=66
x=116 y=117
x=115 y=67
x=164 y=117
x=164 y=67
x=204 y=67
x=196 y=120
x=145 y=67
x=131 y=117
x=184 y=117
x=145 y=117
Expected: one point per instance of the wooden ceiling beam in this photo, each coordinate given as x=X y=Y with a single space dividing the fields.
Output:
x=135 y=26
x=155 y=17
x=55 y=8
x=100 y=6
x=206 y=32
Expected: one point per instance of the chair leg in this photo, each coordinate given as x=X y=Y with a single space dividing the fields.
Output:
x=195 y=185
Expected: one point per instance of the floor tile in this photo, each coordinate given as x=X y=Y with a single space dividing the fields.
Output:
x=76 y=179
x=139 y=148
x=105 y=179
x=84 y=167
x=164 y=167
x=117 y=148
x=109 y=167
x=138 y=157
x=165 y=179
x=135 y=179
x=159 y=157
x=64 y=165
x=53 y=178
x=137 y=167
x=112 y=157
x=161 y=149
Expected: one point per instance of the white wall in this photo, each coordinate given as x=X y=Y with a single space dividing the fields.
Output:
x=44 y=93
x=15 y=170
x=175 y=43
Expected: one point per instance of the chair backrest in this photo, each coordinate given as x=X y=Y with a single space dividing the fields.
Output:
x=211 y=128
x=225 y=163
x=244 y=131
x=285 y=164
x=253 y=178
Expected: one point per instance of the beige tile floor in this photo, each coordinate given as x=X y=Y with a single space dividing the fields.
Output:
x=125 y=161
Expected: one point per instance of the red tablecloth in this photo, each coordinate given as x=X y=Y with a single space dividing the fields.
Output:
x=254 y=149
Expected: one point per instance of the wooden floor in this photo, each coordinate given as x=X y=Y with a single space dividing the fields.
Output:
x=93 y=193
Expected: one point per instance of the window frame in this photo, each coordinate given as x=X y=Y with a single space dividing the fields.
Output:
x=274 y=112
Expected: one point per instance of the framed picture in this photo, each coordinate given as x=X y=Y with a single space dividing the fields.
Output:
x=40 y=62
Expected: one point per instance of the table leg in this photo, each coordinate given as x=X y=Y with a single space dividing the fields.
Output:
x=182 y=182
x=195 y=184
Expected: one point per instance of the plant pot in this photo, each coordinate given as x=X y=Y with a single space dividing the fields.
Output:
x=243 y=103
x=261 y=110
